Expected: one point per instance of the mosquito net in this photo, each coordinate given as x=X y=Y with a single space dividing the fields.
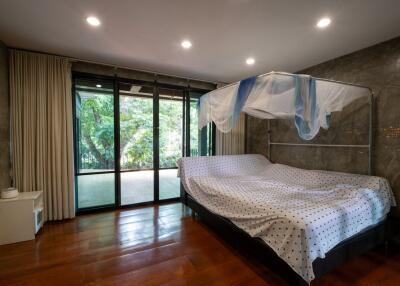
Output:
x=277 y=95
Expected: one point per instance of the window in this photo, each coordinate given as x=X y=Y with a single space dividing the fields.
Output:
x=128 y=138
x=94 y=146
x=200 y=141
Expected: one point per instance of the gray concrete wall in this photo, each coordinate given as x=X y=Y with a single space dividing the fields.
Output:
x=377 y=67
x=4 y=119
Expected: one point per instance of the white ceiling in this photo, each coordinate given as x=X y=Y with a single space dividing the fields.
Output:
x=279 y=34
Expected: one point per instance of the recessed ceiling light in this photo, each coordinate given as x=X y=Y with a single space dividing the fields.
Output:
x=93 y=21
x=250 y=61
x=98 y=85
x=323 y=23
x=186 y=44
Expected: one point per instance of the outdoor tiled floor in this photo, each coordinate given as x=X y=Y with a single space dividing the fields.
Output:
x=136 y=187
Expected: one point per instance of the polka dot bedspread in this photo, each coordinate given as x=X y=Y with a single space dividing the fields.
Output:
x=300 y=214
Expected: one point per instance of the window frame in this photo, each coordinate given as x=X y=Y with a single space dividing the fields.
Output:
x=186 y=90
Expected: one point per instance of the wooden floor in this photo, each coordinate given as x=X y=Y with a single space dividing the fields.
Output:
x=161 y=245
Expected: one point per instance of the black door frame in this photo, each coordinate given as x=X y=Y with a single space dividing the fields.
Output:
x=117 y=168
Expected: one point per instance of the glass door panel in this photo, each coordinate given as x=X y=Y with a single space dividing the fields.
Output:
x=200 y=141
x=195 y=133
x=170 y=141
x=94 y=143
x=128 y=142
x=136 y=143
x=96 y=190
x=137 y=187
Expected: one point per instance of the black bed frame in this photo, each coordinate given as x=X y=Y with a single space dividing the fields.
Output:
x=346 y=250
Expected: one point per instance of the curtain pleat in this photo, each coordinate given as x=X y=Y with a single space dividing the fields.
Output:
x=231 y=143
x=41 y=130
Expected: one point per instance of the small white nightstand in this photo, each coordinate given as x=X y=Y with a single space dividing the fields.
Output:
x=21 y=217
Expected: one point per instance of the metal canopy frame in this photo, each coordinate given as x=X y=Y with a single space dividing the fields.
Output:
x=369 y=146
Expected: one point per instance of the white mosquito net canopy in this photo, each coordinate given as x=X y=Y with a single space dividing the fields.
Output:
x=309 y=101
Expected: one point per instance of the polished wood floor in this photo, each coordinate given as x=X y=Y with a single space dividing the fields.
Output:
x=161 y=245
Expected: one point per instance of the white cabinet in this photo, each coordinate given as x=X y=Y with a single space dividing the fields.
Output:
x=21 y=217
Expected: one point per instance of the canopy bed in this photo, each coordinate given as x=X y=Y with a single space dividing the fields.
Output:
x=309 y=221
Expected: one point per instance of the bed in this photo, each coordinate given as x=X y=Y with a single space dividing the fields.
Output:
x=310 y=219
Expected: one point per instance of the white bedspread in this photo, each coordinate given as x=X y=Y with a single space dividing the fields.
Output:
x=300 y=214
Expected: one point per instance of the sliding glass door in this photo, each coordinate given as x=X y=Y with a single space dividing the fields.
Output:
x=171 y=124
x=136 y=135
x=94 y=143
x=200 y=141
x=128 y=139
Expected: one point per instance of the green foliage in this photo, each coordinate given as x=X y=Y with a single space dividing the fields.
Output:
x=136 y=132
x=170 y=132
x=96 y=131
x=194 y=130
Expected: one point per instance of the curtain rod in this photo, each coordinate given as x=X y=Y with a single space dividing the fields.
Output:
x=115 y=66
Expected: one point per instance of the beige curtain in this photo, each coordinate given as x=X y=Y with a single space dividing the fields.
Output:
x=41 y=130
x=231 y=143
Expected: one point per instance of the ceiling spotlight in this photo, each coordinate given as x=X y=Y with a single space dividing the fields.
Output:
x=323 y=23
x=250 y=61
x=98 y=85
x=93 y=21
x=186 y=44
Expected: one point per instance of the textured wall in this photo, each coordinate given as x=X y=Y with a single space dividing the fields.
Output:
x=4 y=118
x=377 y=67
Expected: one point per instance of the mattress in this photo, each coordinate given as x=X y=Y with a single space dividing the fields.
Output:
x=300 y=214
